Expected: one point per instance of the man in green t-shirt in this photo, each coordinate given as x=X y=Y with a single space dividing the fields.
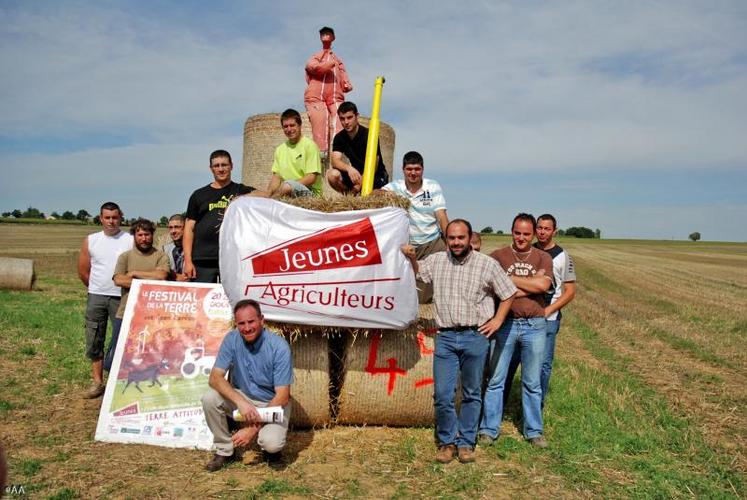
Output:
x=296 y=167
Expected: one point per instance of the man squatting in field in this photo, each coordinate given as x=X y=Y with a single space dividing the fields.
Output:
x=261 y=375
x=530 y=270
x=143 y=262
x=204 y=217
x=560 y=295
x=427 y=213
x=98 y=256
x=296 y=165
x=464 y=282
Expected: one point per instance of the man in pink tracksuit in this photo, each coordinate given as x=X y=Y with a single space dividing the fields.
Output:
x=327 y=81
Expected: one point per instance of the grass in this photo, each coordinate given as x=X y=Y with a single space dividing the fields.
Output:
x=648 y=396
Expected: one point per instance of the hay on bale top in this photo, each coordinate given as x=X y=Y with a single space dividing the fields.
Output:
x=348 y=202
x=331 y=205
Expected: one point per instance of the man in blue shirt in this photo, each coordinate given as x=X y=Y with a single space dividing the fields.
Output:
x=261 y=375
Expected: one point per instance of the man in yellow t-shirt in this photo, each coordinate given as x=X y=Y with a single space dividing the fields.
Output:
x=296 y=167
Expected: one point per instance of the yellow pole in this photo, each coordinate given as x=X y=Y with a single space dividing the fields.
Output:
x=369 y=167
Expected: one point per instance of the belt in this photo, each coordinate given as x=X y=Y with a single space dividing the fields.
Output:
x=458 y=328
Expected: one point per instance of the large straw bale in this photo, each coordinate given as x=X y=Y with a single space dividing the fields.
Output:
x=388 y=376
x=310 y=389
x=17 y=274
x=262 y=134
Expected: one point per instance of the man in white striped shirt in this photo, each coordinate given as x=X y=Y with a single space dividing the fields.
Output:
x=427 y=212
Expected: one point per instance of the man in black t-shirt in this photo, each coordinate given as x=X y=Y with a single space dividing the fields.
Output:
x=352 y=141
x=204 y=216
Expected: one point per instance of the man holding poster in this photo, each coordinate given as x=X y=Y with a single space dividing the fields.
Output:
x=261 y=375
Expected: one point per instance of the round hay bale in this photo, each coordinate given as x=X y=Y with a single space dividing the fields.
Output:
x=388 y=376
x=17 y=274
x=262 y=134
x=310 y=389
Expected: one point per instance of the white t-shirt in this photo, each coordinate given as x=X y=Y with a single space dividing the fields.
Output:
x=104 y=251
x=423 y=206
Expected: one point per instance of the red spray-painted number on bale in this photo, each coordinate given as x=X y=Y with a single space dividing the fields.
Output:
x=392 y=369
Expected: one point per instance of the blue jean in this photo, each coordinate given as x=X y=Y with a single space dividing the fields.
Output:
x=553 y=326
x=457 y=352
x=109 y=358
x=528 y=335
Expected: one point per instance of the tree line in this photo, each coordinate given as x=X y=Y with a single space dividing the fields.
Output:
x=578 y=232
x=82 y=215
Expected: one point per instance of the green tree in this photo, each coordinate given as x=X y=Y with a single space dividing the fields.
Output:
x=83 y=215
x=163 y=221
x=97 y=220
x=598 y=234
x=55 y=214
x=7 y=214
x=500 y=231
x=68 y=215
x=486 y=230
x=33 y=213
x=694 y=236
x=579 y=232
x=17 y=214
x=561 y=232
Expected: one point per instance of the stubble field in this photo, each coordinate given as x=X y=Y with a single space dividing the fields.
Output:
x=648 y=397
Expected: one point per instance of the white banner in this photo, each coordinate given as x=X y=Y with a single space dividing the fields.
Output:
x=170 y=336
x=314 y=268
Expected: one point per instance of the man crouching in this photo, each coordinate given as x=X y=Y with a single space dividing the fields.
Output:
x=261 y=375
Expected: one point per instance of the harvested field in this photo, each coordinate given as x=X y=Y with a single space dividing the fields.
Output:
x=648 y=396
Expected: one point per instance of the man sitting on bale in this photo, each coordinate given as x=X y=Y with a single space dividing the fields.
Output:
x=296 y=167
x=352 y=141
x=98 y=256
x=427 y=212
x=464 y=284
x=261 y=375
x=142 y=262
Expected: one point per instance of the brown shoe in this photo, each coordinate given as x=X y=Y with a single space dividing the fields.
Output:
x=219 y=461
x=538 y=441
x=466 y=455
x=445 y=453
x=95 y=391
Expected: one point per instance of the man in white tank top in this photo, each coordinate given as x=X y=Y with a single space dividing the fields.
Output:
x=98 y=256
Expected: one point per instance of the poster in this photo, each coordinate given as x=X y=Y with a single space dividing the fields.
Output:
x=170 y=336
x=328 y=269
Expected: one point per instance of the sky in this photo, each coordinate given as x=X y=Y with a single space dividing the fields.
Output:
x=630 y=117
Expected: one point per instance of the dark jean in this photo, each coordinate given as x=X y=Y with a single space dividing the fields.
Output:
x=457 y=352
x=528 y=336
x=109 y=358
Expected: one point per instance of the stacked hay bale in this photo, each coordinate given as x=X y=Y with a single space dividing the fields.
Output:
x=262 y=134
x=362 y=376
x=17 y=274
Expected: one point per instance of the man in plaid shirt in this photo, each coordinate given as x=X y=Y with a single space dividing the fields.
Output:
x=465 y=283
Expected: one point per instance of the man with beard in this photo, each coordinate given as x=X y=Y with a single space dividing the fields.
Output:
x=464 y=284
x=98 y=256
x=530 y=270
x=142 y=262
x=352 y=142
x=261 y=376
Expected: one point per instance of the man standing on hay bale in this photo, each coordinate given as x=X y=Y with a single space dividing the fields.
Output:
x=98 y=256
x=464 y=283
x=175 y=249
x=427 y=213
x=352 y=141
x=142 y=262
x=296 y=167
x=326 y=81
x=261 y=375
x=531 y=271
x=204 y=216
